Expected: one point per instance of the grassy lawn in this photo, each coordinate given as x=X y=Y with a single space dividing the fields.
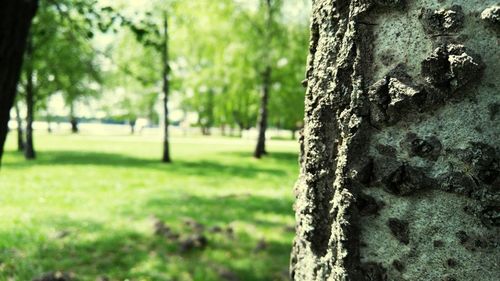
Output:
x=87 y=207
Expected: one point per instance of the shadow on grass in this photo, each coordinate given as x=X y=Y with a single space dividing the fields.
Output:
x=92 y=249
x=198 y=168
x=219 y=210
x=289 y=157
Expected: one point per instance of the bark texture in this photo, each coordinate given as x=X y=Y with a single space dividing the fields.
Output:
x=15 y=21
x=400 y=148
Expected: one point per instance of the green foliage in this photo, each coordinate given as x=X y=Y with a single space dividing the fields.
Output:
x=62 y=58
x=229 y=46
x=130 y=88
x=287 y=103
x=218 y=50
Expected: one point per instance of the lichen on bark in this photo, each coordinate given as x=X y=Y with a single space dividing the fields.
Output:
x=400 y=150
x=326 y=243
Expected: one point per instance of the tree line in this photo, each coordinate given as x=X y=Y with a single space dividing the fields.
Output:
x=236 y=64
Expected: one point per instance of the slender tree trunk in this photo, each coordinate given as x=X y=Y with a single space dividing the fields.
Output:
x=210 y=113
x=20 y=131
x=132 y=126
x=400 y=149
x=15 y=21
x=49 y=122
x=203 y=130
x=72 y=118
x=74 y=125
x=240 y=131
x=29 y=149
x=223 y=130
x=260 y=148
x=166 y=88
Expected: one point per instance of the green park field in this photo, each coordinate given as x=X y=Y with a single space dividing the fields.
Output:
x=88 y=205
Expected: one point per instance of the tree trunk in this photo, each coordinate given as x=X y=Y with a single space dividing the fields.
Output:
x=74 y=125
x=210 y=113
x=260 y=149
x=223 y=130
x=72 y=118
x=400 y=150
x=49 y=123
x=29 y=149
x=240 y=131
x=166 y=89
x=20 y=132
x=15 y=21
x=132 y=126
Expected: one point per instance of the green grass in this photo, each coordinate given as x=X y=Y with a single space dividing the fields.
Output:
x=104 y=191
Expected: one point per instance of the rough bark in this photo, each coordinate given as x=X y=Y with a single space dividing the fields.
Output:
x=20 y=132
x=15 y=21
x=166 y=89
x=400 y=148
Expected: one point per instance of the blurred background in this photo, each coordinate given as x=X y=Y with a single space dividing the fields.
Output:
x=155 y=140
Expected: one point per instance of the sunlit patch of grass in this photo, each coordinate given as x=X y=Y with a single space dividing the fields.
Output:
x=86 y=206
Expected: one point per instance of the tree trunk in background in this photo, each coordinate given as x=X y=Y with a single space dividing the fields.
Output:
x=204 y=130
x=240 y=131
x=74 y=125
x=72 y=118
x=15 y=21
x=260 y=149
x=166 y=89
x=132 y=126
x=20 y=133
x=223 y=130
x=400 y=150
x=29 y=150
x=210 y=114
x=48 y=118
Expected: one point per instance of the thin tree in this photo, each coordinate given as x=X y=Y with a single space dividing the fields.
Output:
x=166 y=89
x=20 y=131
x=29 y=149
x=15 y=21
x=260 y=148
x=73 y=120
x=156 y=36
